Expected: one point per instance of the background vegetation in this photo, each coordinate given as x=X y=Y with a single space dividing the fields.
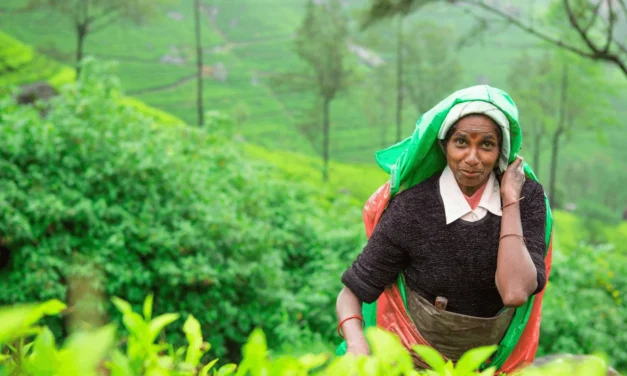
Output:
x=110 y=188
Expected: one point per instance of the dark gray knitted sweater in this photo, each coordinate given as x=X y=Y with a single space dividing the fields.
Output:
x=456 y=261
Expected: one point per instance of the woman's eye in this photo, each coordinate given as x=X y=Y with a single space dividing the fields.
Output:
x=488 y=145
x=460 y=142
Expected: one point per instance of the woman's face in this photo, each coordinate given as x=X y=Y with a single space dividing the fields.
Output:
x=473 y=151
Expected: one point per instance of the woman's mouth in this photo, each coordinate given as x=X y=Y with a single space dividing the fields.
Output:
x=470 y=174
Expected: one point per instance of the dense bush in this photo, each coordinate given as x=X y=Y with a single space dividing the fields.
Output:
x=585 y=308
x=96 y=198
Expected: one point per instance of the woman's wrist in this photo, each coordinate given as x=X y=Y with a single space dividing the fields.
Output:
x=509 y=197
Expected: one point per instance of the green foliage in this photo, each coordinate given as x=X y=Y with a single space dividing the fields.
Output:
x=424 y=92
x=20 y=63
x=321 y=42
x=98 y=200
x=585 y=307
x=551 y=122
x=97 y=13
x=98 y=353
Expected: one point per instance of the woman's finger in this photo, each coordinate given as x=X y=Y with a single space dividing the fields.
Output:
x=517 y=163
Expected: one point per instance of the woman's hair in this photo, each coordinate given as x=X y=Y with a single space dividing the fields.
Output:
x=499 y=136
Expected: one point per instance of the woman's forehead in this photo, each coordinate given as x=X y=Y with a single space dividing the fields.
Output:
x=477 y=124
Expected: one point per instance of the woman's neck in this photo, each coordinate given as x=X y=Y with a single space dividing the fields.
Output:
x=474 y=198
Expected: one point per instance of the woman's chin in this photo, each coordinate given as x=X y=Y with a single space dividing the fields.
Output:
x=470 y=180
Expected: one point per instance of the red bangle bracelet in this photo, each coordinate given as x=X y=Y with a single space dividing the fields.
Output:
x=339 y=326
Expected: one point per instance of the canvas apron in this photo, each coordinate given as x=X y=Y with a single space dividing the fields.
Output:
x=452 y=334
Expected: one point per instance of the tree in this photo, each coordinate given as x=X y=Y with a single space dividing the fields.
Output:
x=377 y=104
x=525 y=79
x=559 y=95
x=582 y=105
x=321 y=43
x=199 y=99
x=399 y=78
x=91 y=16
x=597 y=26
x=430 y=76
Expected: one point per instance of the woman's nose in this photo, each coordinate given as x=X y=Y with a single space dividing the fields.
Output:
x=471 y=159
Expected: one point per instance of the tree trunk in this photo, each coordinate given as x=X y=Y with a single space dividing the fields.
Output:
x=399 y=79
x=325 y=138
x=554 y=155
x=199 y=99
x=82 y=28
x=81 y=33
x=557 y=135
x=537 y=141
x=384 y=132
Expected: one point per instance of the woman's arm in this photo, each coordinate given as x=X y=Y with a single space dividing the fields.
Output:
x=377 y=266
x=348 y=304
x=516 y=274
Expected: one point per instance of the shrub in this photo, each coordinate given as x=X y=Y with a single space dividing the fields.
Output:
x=96 y=199
x=96 y=352
x=584 y=309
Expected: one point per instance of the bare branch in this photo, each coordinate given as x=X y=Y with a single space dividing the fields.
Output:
x=530 y=29
x=594 y=16
x=584 y=36
x=594 y=53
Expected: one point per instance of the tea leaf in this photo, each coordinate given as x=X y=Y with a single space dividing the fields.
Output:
x=472 y=359
x=205 y=370
x=160 y=322
x=430 y=356
x=194 y=338
x=122 y=305
x=148 y=307
x=227 y=369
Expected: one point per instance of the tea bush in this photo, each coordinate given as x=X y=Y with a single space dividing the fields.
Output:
x=96 y=199
x=96 y=352
x=585 y=307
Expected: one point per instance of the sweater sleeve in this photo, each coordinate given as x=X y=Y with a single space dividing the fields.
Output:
x=383 y=257
x=533 y=219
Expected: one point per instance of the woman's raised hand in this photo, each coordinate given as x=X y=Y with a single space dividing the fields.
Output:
x=512 y=181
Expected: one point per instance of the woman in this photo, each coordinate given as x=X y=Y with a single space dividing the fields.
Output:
x=468 y=242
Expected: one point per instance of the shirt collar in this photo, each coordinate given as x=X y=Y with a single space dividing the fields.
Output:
x=456 y=206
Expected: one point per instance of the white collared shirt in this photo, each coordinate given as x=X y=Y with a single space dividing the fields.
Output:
x=455 y=204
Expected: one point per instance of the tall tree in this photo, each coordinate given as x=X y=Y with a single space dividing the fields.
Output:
x=321 y=41
x=430 y=77
x=199 y=99
x=90 y=16
x=399 y=78
x=558 y=96
x=598 y=26
x=527 y=76
x=582 y=105
x=377 y=105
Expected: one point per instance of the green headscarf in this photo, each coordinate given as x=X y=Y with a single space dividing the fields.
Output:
x=418 y=157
